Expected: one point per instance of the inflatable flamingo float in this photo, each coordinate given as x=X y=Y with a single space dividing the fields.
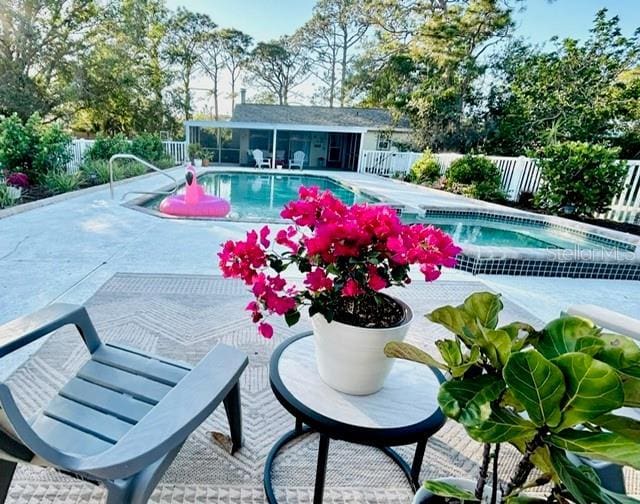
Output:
x=194 y=202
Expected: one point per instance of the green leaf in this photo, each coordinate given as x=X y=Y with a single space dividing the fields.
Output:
x=562 y=336
x=538 y=384
x=469 y=400
x=406 y=351
x=625 y=426
x=631 y=386
x=456 y=320
x=469 y=361
x=583 y=483
x=448 y=490
x=621 y=352
x=496 y=345
x=450 y=351
x=292 y=317
x=515 y=328
x=592 y=388
x=485 y=307
x=502 y=426
x=608 y=446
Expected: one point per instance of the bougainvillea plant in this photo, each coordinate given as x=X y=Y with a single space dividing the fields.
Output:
x=348 y=254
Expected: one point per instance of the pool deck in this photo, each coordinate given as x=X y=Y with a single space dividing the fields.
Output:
x=66 y=250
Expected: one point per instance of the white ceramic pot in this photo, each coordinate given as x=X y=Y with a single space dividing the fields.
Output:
x=197 y=163
x=351 y=359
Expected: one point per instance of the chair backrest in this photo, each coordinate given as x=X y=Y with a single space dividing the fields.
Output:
x=298 y=157
x=258 y=156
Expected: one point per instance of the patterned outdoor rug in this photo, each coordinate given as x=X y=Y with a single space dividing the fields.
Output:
x=185 y=316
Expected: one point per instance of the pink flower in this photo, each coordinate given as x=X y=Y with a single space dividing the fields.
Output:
x=264 y=233
x=317 y=280
x=430 y=272
x=283 y=237
x=351 y=288
x=375 y=281
x=266 y=330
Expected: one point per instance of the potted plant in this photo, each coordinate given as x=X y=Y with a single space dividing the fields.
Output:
x=196 y=154
x=550 y=393
x=348 y=256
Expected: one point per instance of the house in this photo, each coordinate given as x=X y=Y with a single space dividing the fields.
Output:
x=331 y=138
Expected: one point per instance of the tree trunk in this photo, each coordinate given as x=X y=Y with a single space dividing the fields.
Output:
x=187 y=94
x=215 y=98
x=332 y=82
x=343 y=76
x=233 y=92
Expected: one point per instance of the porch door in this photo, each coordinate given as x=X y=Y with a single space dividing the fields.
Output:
x=343 y=150
x=334 y=154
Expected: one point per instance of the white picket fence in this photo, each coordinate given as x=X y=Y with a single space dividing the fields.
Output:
x=519 y=175
x=79 y=146
x=625 y=207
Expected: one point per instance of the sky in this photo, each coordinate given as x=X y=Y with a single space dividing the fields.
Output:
x=537 y=22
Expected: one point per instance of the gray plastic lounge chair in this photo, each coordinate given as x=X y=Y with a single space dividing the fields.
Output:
x=123 y=418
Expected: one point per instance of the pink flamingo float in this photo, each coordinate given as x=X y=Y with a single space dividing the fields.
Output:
x=194 y=202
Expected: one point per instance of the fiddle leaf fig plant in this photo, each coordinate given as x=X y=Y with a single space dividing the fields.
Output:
x=552 y=393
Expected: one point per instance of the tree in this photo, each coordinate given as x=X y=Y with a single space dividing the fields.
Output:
x=212 y=64
x=581 y=92
x=428 y=60
x=187 y=36
x=120 y=81
x=236 y=46
x=40 y=41
x=279 y=66
x=331 y=35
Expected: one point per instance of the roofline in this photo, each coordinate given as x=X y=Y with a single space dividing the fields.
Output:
x=277 y=126
x=292 y=126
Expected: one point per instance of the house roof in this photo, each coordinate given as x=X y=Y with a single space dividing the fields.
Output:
x=372 y=118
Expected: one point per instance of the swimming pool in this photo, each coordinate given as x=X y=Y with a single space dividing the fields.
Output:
x=256 y=196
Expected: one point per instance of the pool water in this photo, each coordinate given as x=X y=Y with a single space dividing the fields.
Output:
x=260 y=197
x=255 y=196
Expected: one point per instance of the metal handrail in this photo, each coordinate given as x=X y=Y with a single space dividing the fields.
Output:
x=148 y=165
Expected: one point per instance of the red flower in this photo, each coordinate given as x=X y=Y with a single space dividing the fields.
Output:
x=351 y=288
x=265 y=329
x=375 y=281
x=317 y=280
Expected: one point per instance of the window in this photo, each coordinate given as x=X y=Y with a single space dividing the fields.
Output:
x=384 y=141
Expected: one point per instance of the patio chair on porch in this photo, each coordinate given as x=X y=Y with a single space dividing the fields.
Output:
x=123 y=418
x=260 y=160
x=298 y=160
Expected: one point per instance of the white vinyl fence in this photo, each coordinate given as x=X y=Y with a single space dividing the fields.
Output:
x=79 y=146
x=519 y=175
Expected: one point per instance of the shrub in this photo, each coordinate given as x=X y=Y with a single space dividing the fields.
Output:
x=132 y=168
x=425 y=170
x=579 y=178
x=32 y=147
x=53 y=152
x=16 y=143
x=147 y=146
x=8 y=195
x=106 y=146
x=97 y=171
x=58 y=181
x=476 y=177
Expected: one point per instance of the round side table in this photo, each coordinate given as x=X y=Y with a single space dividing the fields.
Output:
x=404 y=412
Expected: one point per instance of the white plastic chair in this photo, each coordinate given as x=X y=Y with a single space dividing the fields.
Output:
x=260 y=160
x=298 y=160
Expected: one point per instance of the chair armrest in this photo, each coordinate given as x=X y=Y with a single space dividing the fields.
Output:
x=24 y=330
x=608 y=319
x=173 y=419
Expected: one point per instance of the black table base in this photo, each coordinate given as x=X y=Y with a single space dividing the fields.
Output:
x=411 y=472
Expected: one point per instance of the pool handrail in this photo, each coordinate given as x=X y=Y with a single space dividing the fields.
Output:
x=148 y=165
